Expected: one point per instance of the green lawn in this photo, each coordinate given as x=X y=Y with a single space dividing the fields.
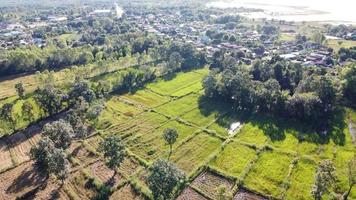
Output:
x=234 y=159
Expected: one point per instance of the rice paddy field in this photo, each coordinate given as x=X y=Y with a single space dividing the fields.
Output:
x=261 y=159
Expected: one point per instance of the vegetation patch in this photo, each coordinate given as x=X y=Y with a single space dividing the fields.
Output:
x=269 y=182
x=146 y=98
x=234 y=158
x=180 y=106
x=152 y=145
x=180 y=82
x=302 y=180
x=198 y=148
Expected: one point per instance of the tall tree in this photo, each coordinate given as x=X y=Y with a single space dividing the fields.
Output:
x=163 y=178
x=20 y=90
x=27 y=111
x=170 y=135
x=324 y=179
x=6 y=114
x=50 y=99
x=60 y=132
x=114 y=151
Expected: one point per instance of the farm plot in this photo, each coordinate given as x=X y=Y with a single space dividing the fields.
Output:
x=234 y=159
x=190 y=194
x=180 y=106
x=244 y=195
x=269 y=173
x=198 y=148
x=140 y=124
x=146 y=98
x=209 y=183
x=83 y=155
x=179 y=85
x=51 y=190
x=126 y=193
x=18 y=181
x=77 y=187
x=301 y=180
x=341 y=161
x=151 y=145
x=197 y=117
x=105 y=175
x=252 y=134
x=117 y=106
x=20 y=148
x=5 y=156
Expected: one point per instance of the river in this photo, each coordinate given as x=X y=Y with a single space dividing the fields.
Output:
x=330 y=11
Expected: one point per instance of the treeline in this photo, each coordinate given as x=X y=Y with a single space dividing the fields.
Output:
x=282 y=88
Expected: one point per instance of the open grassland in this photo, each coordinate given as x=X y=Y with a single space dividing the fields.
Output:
x=269 y=156
x=338 y=44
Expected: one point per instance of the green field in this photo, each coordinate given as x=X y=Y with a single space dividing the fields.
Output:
x=283 y=170
x=270 y=156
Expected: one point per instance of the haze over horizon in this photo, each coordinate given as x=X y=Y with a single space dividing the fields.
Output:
x=341 y=10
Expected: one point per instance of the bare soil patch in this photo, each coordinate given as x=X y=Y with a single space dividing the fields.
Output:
x=76 y=187
x=209 y=183
x=129 y=167
x=101 y=172
x=190 y=194
x=126 y=193
x=247 y=195
x=51 y=190
x=20 y=147
x=83 y=155
x=5 y=157
x=20 y=180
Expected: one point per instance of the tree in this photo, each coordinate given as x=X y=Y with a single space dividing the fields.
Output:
x=27 y=111
x=349 y=83
x=82 y=89
x=351 y=176
x=60 y=132
x=20 y=90
x=40 y=153
x=50 y=99
x=324 y=179
x=170 y=135
x=163 y=178
x=318 y=37
x=6 y=114
x=114 y=151
x=58 y=164
x=51 y=159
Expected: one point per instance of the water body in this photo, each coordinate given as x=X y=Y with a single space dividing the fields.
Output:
x=330 y=11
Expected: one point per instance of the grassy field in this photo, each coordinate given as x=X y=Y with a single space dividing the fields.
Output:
x=269 y=156
x=337 y=44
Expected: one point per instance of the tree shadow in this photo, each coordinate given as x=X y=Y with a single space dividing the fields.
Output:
x=30 y=177
x=277 y=127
